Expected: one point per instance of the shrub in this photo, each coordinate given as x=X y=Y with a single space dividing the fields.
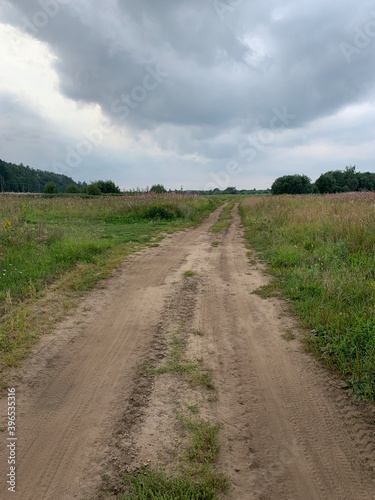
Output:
x=50 y=188
x=292 y=184
x=72 y=189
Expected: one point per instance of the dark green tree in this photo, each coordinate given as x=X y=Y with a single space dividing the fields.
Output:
x=50 y=188
x=341 y=181
x=92 y=189
x=158 y=189
x=326 y=183
x=107 y=187
x=230 y=190
x=366 y=181
x=292 y=184
x=72 y=189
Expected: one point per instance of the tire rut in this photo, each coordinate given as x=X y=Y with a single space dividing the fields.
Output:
x=289 y=432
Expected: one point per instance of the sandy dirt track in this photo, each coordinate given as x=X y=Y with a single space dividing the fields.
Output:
x=288 y=430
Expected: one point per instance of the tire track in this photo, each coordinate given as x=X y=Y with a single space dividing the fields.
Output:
x=74 y=388
x=288 y=432
x=275 y=398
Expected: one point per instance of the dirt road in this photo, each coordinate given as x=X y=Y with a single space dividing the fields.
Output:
x=288 y=430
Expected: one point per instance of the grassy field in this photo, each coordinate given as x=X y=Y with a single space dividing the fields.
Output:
x=321 y=252
x=66 y=245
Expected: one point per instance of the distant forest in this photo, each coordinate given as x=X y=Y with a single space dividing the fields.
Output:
x=21 y=179
x=334 y=181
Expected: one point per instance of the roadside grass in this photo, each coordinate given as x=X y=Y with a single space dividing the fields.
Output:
x=269 y=290
x=320 y=250
x=54 y=249
x=224 y=219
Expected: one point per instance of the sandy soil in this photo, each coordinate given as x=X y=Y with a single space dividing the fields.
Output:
x=86 y=406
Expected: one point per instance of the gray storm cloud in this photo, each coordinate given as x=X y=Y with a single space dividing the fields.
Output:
x=201 y=76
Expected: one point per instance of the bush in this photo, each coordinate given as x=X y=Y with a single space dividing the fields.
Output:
x=50 y=188
x=158 y=189
x=165 y=211
x=292 y=184
x=102 y=187
x=107 y=187
x=72 y=189
x=93 y=190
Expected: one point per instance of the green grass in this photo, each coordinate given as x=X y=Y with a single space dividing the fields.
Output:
x=269 y=290
x=157 y=485
x=320 y=250
x=204 y=447
x=196 y=480
x=224 y=219
x=66 y=245
x=189 y=274
x=219 y=227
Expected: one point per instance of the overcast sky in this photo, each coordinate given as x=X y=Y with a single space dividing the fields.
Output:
x=198 y=93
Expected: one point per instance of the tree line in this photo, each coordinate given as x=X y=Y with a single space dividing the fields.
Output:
x=24 y=179
x=334 y=181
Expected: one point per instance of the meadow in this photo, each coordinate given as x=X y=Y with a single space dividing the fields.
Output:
x=321 y=253
x=69 y=244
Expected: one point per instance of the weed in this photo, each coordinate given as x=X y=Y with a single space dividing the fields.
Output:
x=189 y=274
x=203 y=379
x=288 y=336
x=153 y=484
x=220 y=226
x=194 y=409
x=267 y=291
x=204 y=446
